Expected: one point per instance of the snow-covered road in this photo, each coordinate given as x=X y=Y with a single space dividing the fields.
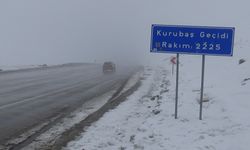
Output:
x=34 y=98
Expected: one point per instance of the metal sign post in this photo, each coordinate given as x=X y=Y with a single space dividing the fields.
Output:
x=173 y=62
x=202 y=85
x=177 y=85
x=172 y=69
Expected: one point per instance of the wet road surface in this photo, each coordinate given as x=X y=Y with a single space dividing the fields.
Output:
x=30 y=97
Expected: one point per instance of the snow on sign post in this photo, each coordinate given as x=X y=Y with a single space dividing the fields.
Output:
x=197 y=40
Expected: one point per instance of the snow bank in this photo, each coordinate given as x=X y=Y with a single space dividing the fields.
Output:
x=8 y=68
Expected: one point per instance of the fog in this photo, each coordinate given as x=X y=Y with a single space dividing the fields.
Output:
x=61 y=31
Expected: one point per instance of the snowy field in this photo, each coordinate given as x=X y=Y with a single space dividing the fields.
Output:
x=146 y=119
x=20 y=67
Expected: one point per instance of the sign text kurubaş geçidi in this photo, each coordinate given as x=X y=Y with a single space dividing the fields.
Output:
x=192 y=35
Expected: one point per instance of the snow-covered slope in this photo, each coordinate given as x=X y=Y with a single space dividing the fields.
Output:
x=8 y=68
x=146 y=119
x=21 y=67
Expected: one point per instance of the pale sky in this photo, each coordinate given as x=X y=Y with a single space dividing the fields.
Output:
x=60 y=31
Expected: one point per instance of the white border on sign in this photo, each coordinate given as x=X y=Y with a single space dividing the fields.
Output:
x=190 y=26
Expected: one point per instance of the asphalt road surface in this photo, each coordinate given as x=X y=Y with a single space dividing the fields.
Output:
x=30 y=97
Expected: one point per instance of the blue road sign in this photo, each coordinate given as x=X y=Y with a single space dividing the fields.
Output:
x=192 y=40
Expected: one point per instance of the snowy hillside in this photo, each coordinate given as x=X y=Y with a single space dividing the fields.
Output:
x=20 y=67
x=146 y=119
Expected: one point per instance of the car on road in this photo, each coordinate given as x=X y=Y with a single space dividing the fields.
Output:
x=108 y=67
